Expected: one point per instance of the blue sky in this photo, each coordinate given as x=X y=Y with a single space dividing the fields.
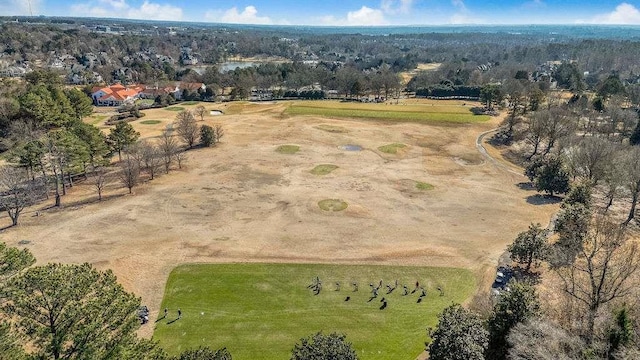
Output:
x=342 y=12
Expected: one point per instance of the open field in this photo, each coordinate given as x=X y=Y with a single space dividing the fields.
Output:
x=386 y=111
x=266 y=308
x=241 y=201
x=408 y=75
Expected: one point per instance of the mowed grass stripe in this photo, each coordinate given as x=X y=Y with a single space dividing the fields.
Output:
x=407 y=114
x=262 y=310
x=333 y=104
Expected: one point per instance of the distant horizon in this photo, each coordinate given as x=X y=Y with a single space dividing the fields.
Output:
x=385 y=26
x=342 y=13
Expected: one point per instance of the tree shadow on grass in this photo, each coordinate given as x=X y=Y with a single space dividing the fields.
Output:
x=531 y=277
x=87 y=201
x=539 y=199
x=526 y=185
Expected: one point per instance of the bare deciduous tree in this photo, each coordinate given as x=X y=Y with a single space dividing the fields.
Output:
x=631 y=165
x=99 y=181
x=17 y=192
x=129 y=173
x=602 y=271
x=187 y=127
x=534 y=133
x=200 y=111
x=589 y=158
x=180 y=157
x=543 y=340
x=613 y=178
x=151 y=157
x=218 y=133
x=168 y=148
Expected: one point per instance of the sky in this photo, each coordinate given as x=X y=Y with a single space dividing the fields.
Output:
x=342 y=12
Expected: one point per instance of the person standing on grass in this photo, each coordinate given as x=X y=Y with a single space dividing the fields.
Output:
x=179 y=313
x=166 y=311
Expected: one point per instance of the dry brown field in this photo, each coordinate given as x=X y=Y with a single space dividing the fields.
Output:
x=242 y=201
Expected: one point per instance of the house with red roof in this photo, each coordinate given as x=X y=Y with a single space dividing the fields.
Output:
x=115 y=95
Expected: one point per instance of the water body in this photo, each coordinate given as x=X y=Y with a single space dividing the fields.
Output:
x=351 y=147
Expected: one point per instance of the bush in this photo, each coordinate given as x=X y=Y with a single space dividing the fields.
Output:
x=207 y=136
x=320 y=347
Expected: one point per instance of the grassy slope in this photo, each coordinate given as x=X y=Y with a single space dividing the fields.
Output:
x=261 y=310
x=409 y=113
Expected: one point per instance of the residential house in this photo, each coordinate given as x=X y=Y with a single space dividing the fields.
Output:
x=14 y=71
x=85 y=77
x=190 y=87
x=115 y=95
x=176 y=90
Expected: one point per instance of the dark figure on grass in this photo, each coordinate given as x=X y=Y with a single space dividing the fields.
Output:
x=374 y=294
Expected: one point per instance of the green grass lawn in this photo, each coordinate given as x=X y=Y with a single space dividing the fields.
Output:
x=391 y=148
x=96 y=119
x=423 y=186
x=405 y=113
x=190 y=103
x=288 y=149
x=332 y=204
x=259 y=311
x=323 y=169
x=174 y=108
x=147 y=102
x=150 y=122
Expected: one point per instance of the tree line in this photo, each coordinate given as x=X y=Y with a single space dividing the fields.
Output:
x=583 y=146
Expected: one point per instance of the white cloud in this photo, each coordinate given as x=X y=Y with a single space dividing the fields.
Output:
x=396 y=6
x=249 y=15
x=624 y=14
x=116 y=4
x=121 y=9
x=459 y=4
x=20 y=7
x=365 y=16
x=462 y=15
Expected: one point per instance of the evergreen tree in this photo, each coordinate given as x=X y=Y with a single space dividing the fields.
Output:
x=122 y=136
x=514 y=306
x=529 y=246
x=460 y=335
x=323 y=347
x=207 y=136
